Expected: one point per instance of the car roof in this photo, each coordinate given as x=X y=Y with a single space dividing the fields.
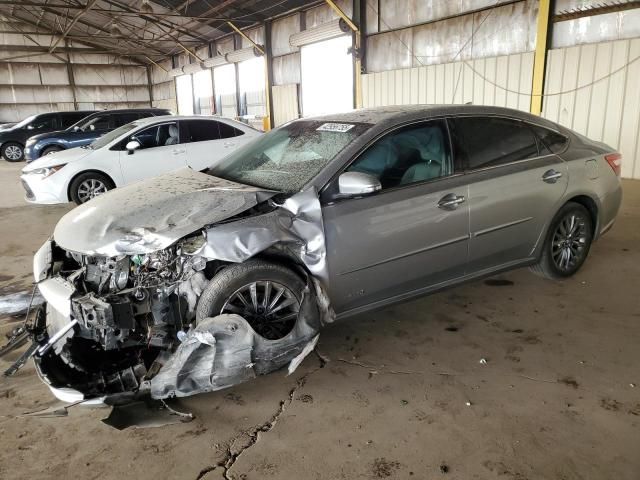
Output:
x=401 y=113
x=131 y=110
x=161 y=118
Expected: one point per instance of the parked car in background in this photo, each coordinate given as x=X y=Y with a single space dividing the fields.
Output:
x=351 y=212
x=137 y=150
x=4 y=126
x=13 y=139
x=86 y=131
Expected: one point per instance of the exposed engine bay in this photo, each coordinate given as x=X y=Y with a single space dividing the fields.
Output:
x=120 y=313
x=129 y=309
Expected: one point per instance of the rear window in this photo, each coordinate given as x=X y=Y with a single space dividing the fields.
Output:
x=552 y=141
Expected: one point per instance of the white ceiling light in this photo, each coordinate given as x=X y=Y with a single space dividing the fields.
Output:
x=325 y=31
x=242 y=55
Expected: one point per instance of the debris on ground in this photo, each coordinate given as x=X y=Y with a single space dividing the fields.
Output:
x=145 y=414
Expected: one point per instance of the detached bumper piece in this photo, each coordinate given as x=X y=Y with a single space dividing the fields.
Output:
x=223 y=351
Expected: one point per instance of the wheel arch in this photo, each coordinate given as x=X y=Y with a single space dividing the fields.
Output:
x=592 y=207
x=53 y=144
x=2 y=145
x=82 y=172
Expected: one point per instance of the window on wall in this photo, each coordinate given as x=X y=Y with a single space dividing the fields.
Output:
x=224 y=80
x=184 y=89
x=327 y=77
x=203 y=92
x=252 y=85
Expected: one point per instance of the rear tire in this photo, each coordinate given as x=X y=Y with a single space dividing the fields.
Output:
x=50 y=150
x=89 y=185
x=272 y=297
x=567 y=243
x=12 y=152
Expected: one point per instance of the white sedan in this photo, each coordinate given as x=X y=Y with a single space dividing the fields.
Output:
x=141 y=149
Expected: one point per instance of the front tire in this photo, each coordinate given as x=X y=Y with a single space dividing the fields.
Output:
x=89 y=185
x=267 y=295
x=12 y=152
x=567 y=242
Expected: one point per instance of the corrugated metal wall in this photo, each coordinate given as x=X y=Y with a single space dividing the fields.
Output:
x=285 y=103
x=483 y=81
x=163 y=87
x=39 y=82
x=603 y=95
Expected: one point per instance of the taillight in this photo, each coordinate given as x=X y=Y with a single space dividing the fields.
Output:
x=615 y=161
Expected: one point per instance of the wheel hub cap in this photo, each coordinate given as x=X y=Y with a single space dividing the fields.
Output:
x=90 y=189
x=13 y=153
x=270 y=308
x=569 y=242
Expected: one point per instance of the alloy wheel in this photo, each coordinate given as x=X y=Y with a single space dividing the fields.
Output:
x=90 y=188
x=270 y=308
x=13 y=152
x=570 y=241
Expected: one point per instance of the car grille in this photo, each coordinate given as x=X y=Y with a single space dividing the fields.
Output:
x=30 y=194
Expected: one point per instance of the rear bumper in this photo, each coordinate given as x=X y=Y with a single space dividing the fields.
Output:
x=609 y=208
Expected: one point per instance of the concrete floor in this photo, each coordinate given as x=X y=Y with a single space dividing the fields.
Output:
x=403 y=395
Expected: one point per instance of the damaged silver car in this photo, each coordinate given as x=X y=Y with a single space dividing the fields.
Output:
x=195 y=281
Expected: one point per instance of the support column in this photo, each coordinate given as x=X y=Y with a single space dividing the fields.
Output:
x=150 y=85
x=540 y=58
x=71 y=77
x=268 y=65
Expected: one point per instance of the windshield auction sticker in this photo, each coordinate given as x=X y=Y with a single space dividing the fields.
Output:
x=335 y=127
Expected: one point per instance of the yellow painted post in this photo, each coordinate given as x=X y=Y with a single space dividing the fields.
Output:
x=540 y=57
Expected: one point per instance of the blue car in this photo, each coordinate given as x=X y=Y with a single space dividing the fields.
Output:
x=85 y=131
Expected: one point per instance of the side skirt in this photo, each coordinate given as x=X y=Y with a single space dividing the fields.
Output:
x=437 y=287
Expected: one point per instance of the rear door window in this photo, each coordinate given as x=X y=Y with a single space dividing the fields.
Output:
x=204 y=130
x=492 y=141
x=124 y=118
x=44 y=122
x=68 y=119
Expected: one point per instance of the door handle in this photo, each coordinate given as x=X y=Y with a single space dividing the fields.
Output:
x=177 y=152
x=228 y=144
x=451 y=201
x=551 y=176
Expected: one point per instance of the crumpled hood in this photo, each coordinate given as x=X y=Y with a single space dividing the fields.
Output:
x=150 y=215
x=58 y=158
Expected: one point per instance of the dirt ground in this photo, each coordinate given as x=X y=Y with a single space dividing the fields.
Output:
x=404 y=392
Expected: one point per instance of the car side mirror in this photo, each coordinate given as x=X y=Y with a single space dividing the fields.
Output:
x=76 y=128
x=92 y=127
x=30 y=127
x=132 y=146
x=357 y=183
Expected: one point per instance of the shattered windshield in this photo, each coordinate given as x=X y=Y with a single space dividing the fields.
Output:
x=287 y=158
